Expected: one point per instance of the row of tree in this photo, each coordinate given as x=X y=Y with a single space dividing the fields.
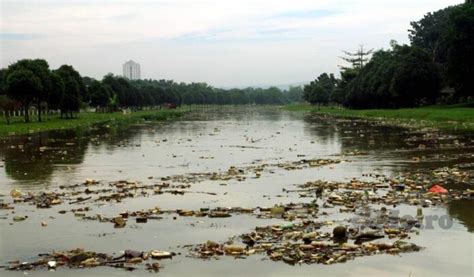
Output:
x=117 y=92
x=437 y=66
x=29 y=83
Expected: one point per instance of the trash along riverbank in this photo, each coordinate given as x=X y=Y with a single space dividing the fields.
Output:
x=453 y=118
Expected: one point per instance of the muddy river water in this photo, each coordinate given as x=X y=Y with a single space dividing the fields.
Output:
x=214 y=140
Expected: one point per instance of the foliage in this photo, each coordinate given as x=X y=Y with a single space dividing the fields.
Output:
x=401 y=77
x=57 y=91
x=23 y=86
x=40 y=69
x=460 y=61
x=99 y=94
x=432 y=34
x=357 y=59
x=137 y=94
x=448 y=35
x=440 y=55
x=416 y=80
x=73 y=85
x=320 y=90
x=295 y=94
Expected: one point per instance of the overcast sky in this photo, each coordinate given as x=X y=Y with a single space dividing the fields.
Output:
x=223 y=42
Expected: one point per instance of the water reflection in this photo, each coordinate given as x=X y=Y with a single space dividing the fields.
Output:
x=462 y=210
x=356 y=136
x=34 y=157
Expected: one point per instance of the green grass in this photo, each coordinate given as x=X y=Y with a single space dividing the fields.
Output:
x=449 y=118
x=83 y=119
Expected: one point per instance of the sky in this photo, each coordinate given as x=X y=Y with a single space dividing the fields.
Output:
x=226 y=43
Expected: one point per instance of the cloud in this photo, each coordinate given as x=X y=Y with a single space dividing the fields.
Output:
x=306 y=14
x=18 y=36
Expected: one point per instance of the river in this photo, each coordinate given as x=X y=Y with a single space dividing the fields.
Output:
x=213 y=140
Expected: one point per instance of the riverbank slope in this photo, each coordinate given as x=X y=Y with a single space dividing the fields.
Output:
x=83 y=119
x=448 y=118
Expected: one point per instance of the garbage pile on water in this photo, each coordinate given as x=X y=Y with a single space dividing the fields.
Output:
x=423 y=189
x=302 y=239
x=290 y=212
x=79 y=258
x=122 y=189
x=304 y=243
x=41 y=200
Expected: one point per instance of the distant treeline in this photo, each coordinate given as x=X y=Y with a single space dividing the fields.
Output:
x=28 y=83
x=438 y=67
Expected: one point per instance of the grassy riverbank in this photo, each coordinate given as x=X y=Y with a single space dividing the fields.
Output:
x=450 y=118
x=83 y=119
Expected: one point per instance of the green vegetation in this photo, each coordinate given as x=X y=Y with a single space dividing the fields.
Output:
x=436 y=68
x=54 y=122
x=30 y=86
x=449 y=117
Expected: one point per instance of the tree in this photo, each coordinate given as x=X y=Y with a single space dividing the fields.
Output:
x=70 y=102
x=40 y=69
x=460 y=60
x=295 y=94
x=358 y=58
x=23 y=86
x=339 y=94
x=3 y=73
x=8 y=105
x=74 y=74
x=431 y=33
x=57 y=92
x=403 y=76
x=416 y=79
x=43 y=72
x=71 y=98
x=99 y=94
x=320 y=90
x=448 y=35
x=357 y=61
x=118 y=91
x=315 y=94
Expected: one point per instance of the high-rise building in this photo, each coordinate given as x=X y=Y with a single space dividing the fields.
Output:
x=131 y=70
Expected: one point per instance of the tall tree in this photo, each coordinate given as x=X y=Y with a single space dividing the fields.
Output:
x=319 y=91
x=74 y=74
x=460 y=60
x=416 y=79
x=359 y=58
x=40 y=69
x=448 y=35
x=70 y=102
x=401 y=77
x=99 y=95
x=432 y=33
x=57 y=92
x=23 y=85
x=8 y=105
